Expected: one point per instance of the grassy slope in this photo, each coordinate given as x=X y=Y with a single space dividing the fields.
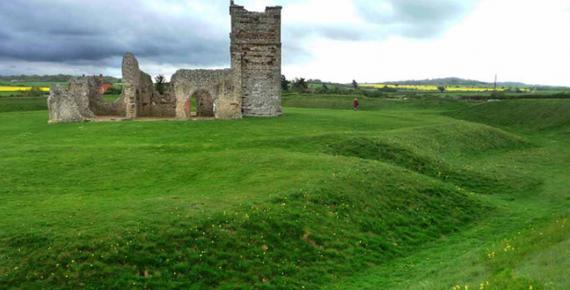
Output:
x=525 y=115
x=302 y=200
x=524 y=243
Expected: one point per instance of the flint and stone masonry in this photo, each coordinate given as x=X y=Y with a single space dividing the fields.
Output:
x=256 y=59
x=251 y=87
x=80 y=100
x=214 y=91
x=71 y=103
x=140 y=97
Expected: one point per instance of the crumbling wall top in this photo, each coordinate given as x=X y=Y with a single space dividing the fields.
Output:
x=200 y=77
x=130 y=68
x=240 y=8
x=256 y=27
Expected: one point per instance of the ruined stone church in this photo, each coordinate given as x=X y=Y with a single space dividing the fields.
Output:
x=250 y=87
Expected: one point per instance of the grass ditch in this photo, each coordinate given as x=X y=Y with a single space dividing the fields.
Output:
x=364 y=215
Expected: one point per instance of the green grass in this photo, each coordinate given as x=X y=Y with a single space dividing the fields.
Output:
x=110 y=98
x=344 y=102
x=528 y=115
x=398 y=196
x=9 y=94
x=15 y=104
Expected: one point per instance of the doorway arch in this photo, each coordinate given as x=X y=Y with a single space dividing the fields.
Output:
x=199 y=103
x=205 y=93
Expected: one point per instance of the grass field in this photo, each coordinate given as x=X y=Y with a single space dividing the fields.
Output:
x=405 y=194
x=15 y=104
x=46 y=85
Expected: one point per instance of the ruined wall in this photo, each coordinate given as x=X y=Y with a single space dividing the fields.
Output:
x=139 y=95
x=103 y=108
x=131 y=77
x=252 y=87
x=70 y=103
x=80 y=100
x=256 y=59
x=216 y=83
x=99 y=106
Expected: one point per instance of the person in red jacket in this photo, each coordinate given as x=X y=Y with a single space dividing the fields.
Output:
x=356 y=104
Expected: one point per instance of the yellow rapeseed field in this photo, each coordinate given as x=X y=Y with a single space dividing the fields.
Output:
x=21 y=89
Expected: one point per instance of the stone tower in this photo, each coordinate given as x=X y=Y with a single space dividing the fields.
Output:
x=256 y=59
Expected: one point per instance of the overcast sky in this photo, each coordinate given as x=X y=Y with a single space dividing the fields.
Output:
x=333 y=40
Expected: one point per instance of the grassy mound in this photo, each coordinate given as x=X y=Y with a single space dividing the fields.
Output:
x=532 y=115
x=359 y=216
x=424 y=164
x=457 y=140
x=436 y=151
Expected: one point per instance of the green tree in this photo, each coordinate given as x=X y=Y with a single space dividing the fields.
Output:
x=441 y=89
x=300 y=84
x=354 y=84
x=284 y=83
x=160 y=83
x=323 y=89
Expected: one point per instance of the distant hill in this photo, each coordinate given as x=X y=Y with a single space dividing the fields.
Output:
x=457 y=82
x=47 y=78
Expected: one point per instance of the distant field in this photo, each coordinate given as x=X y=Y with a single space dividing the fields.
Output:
x=22 y=89
x=30 y=84
x=433 y=88
x=408 y=193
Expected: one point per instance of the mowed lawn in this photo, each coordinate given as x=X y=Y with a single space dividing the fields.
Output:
x=320 y=197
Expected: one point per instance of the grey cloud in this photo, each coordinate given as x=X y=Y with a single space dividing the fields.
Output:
x=70 y=31
x=382 y=18
x=413 y=18
x=97 y=33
